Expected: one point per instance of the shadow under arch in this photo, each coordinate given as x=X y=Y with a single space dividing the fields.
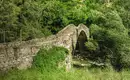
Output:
x=80 y=49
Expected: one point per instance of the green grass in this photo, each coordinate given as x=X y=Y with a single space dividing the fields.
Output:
x=45 y=67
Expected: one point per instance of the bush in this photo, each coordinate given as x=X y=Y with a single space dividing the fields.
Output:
x=45 y=66
x=91 y=45
x=110 y=33
x=47 y=60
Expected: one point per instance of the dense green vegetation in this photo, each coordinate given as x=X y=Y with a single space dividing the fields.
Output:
x=108 y=20
x=44 y=64
x=110 y=28
x=28 y=19
x=45 y=67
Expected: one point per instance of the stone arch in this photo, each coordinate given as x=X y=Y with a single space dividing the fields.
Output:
x=82 y=27
x=80 y=47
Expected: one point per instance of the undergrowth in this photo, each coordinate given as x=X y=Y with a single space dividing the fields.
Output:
x=47 y=60
x=45 y=67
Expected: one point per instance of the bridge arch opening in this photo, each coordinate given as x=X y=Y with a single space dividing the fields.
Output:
x=80 y=49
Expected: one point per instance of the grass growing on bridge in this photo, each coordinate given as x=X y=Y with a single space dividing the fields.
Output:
x=45 y=68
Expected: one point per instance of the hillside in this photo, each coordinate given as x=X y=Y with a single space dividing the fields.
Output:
x=108 y=46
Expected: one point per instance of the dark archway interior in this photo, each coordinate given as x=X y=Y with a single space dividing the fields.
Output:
x=81 y=50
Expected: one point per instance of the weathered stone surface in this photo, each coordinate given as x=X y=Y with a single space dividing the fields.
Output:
x=20 y=54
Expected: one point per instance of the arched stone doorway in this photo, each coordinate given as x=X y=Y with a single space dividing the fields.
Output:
x=80 y=49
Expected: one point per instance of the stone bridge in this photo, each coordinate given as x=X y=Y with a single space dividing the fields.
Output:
x=20 y=54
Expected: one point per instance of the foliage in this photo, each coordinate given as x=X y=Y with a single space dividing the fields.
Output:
x=109 y=30
x=108 y=20
x=25 y=20
x=47 y=60
x=19 y=19
x=44 y=63
x=91 y=45
x=80 y=74
x=45 y=68
x=9 y=19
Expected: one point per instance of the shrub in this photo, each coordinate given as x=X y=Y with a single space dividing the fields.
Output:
x=47 y=60
x=91 y=45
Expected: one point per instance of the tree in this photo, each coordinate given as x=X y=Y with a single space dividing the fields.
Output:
x=8 y=20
